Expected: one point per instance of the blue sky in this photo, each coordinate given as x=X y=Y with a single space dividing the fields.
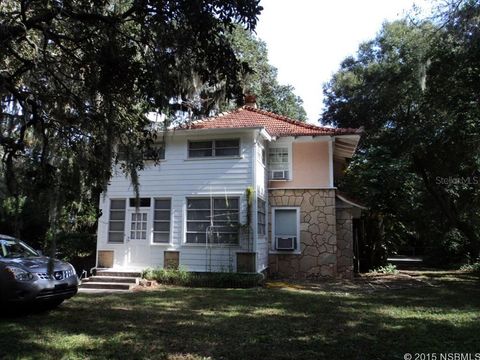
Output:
x=307 y=39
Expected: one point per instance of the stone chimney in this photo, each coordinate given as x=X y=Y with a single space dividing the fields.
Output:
x=250 y=100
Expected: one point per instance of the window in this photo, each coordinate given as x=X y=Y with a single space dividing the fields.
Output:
x=261 y=155
x=140 y=202
x=261 y=216
x=219 y=216
x=138 y=226
x=161 y=221
x=214 y=148
x=116 y=225
x=278 y=163
x=286 y=229
x=155 y=152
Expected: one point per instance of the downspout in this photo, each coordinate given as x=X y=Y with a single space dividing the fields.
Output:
x=330 y=162
x=254 y=208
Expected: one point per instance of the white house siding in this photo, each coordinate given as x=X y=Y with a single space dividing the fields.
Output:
x=261 y=180
x=178 y=178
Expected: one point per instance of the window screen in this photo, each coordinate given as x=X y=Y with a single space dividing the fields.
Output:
x=116 y=224
x=286 y=222
x=161 y=221
x=219 y=215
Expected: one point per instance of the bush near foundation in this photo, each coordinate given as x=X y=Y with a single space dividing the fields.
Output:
x=209 y=279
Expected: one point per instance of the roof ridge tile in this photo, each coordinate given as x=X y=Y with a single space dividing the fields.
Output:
x=275 y=124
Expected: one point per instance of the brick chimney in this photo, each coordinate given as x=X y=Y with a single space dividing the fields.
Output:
x=250 y=100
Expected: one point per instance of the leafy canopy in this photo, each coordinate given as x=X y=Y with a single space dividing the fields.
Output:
x=77 y=78
x=415 y=90
x=260 y=78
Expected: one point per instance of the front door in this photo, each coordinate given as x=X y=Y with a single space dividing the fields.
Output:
x=138 y=237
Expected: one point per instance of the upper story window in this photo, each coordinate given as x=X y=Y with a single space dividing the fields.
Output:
x=278 y=163
x=156 y=152
x=261 y=155
x=214 y=148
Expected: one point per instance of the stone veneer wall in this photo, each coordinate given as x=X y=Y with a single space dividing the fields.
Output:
x=318 y=235
x=344 y=243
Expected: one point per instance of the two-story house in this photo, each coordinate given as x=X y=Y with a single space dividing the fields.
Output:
x=247 y=191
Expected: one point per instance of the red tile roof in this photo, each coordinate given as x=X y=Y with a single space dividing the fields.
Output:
x=276 y=125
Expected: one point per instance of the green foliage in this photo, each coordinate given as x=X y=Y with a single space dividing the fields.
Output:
x=78 y=79
x=72 y=245
x=414 y=89
x=448 y=247
x=168 y=276
x=387 y=269
x=260 y=78
x=475 y=267
x=13 y=206
x=182 y=277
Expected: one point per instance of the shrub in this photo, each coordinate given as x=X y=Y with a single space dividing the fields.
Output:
x=78 y=248
x=71 y=245
x=182 y=277
x=387 y=269
x=475 y=267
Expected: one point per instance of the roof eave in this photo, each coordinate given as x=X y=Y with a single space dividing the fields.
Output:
x=351 y=202
x=346 y=145
x=220 y=130
x=264 y=133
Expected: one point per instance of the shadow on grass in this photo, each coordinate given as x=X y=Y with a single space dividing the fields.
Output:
x=178 y=323
x=20 y=310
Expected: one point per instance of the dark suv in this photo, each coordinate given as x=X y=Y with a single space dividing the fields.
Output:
x=25 y=275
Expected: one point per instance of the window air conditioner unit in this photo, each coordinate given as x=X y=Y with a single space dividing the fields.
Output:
x=279 y=174
x=285 y=243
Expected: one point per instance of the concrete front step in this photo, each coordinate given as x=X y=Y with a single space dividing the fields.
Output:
x=134 y=274
x=109 y=279
x=112 y=279
x=105 y=285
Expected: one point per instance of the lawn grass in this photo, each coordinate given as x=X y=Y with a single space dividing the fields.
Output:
x=262 y=323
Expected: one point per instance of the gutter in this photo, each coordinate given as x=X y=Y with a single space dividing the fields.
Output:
x=351 y=202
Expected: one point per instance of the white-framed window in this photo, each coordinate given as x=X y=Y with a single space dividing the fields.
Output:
x=139 y=203
x=141 y=220
x=116 y=221
x=261 y=216
x=155 y=152
x=261 y=154
x=138 y=218
x=215 y=219
x=138 y=225
x=286 y=229
x=213 y=148
x=279 y=163
x=161 y=221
